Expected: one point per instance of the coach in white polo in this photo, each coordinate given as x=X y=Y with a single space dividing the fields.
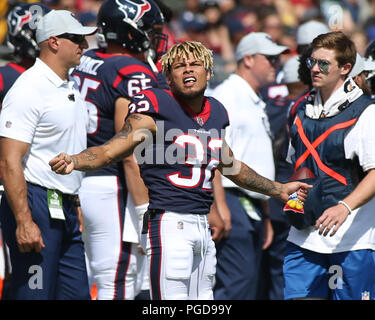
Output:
x=249 y=137
x=42 y=114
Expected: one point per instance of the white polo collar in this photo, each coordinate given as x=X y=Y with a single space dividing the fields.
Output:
x=49 y=73
x=243 y=86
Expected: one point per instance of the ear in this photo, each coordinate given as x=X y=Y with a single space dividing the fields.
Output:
x=345 y=69
x=168 y=78
x=248 y=61
x=208 y=75
x=53 y=43
x=360 y=79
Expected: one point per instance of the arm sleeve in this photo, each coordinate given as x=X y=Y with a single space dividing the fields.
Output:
x=19 y=115
x=360 y=140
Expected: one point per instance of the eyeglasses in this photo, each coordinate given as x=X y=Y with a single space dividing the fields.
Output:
x=76 y=38
x=273 y=60
x=369 y=74
x=322 y=64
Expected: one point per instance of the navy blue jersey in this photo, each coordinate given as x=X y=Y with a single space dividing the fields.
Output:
x=178 y=167
x=275 y=90
x=103 y=78
x=8 y=75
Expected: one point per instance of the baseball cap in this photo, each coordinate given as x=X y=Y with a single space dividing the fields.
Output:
x=192 y=22
x=258 y=42
x=308 y=31
x=290 y=70
x=361 y=64
x=57 y=22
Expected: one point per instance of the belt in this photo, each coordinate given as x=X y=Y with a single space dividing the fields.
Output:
x=149 y=214
x=66 y=196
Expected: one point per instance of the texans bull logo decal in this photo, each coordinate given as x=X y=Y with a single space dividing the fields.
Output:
x=17 y=21
x=133 y=10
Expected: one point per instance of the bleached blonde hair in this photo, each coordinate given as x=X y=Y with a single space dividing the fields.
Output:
x=183 y=49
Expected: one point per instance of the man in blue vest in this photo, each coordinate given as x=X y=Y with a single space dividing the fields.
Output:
x=330 y=251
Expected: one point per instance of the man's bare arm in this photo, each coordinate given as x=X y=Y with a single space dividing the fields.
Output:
x=28 y=234
x=333 y=217
x=134 y=182
x=135 y=130
x=247 y=178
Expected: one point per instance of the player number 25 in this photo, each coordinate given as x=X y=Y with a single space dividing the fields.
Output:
x=92 y=109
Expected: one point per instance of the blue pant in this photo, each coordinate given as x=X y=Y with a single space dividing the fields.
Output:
x=272 y=281
x=59 y=270
x=345 y=275
x=239 y=255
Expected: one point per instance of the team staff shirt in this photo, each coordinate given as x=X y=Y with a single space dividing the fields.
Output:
x=103 y=78
x=249 y=134
x=8 y=75
x=358 y=230
x=48 y=113
x=178 y=167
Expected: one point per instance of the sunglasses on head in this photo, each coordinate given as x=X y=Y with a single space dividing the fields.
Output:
x=76 y=38
x=323 y=65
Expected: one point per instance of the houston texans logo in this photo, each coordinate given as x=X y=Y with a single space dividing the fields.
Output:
x=73 y=15
x=17 y=21
x=133 y=10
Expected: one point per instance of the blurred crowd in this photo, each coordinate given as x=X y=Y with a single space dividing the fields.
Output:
x=220 y=24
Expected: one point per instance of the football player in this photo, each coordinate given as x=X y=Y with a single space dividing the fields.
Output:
x=108 y=78
x=180 y=158
x=20 y=38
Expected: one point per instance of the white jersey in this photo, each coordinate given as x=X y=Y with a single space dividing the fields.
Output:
x=358 y=230
x=248 y=133
x=48 y=113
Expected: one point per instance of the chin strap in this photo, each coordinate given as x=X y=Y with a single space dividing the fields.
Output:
x=151 y=62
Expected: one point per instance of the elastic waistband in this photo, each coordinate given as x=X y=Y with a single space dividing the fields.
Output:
x=69 y=197
x=158 y=211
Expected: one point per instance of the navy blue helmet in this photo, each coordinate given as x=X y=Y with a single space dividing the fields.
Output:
x=134 y=24
x=22 y=21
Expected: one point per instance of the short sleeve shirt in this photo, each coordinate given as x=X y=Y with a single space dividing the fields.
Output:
x=48 y=113
x=357 y=232
x=248 y=134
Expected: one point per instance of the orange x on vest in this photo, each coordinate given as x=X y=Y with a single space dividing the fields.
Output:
x=312 y=146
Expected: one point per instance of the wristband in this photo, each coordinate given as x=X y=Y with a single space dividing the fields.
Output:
x=346 y=205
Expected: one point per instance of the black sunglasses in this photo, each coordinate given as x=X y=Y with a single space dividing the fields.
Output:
x=273 y=60
x=76 y=38
x=322 y=64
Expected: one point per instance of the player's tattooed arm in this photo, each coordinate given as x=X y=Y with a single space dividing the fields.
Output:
x=127 y=128
x=247 y=178
x=86 y=156
x=136 y=127
x=125 y=136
